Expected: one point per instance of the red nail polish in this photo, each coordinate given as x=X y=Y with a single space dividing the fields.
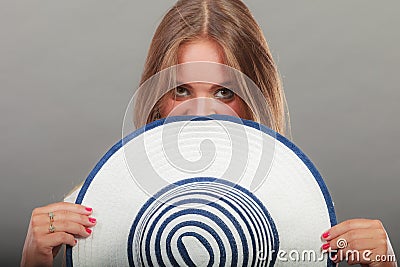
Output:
x=325 y=235
x=88 y=209
x=92 y=220
x=88 y=231
x=76 y=241
x=325 y=246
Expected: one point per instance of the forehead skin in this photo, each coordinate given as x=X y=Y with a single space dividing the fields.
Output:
x=200 y=50
x=205 y=50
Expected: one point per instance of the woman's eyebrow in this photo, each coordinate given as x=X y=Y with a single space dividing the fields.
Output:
x=227 y=84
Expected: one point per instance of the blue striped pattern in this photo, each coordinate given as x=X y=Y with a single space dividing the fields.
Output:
x=241 y=225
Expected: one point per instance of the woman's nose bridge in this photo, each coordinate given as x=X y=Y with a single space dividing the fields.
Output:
x=203 y=106
x=197 y=106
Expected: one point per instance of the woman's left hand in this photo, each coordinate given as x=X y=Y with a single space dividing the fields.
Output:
x=365 y=239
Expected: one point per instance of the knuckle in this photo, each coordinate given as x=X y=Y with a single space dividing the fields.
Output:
x=78 y=207
x=58 y=206
x=39 y=242
x=82 y=230
x=64 y=213
x=61 y=238
x=334 y=243
x=354 y=244
x=66 y=238
x=383 y=244
x=377 y=223
x=84 y=219
x=351 y=235
x=349 y=223
x=382 y=234
x=35 y=231
x=35 y=211
x=34 y=221
x=65 y=225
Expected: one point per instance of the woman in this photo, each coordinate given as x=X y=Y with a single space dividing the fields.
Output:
x=220 y=31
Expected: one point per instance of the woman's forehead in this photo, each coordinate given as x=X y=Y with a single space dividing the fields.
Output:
x=203 y=71
x=200 y=50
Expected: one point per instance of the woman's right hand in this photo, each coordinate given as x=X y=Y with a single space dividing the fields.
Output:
x=69 y=221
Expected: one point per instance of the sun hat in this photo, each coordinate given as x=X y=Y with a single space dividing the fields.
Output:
x=212 y=190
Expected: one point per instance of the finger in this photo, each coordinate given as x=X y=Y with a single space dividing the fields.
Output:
x=65 y=215
x=349 y=225
x=352 y=235
x=71 y=228
x=58 y=238
x=64 y=206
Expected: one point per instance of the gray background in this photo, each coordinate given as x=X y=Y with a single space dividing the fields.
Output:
x=68 y=70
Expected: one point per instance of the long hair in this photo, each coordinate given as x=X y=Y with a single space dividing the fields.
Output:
x=230 y=24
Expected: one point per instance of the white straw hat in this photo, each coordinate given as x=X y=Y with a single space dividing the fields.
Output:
x=204 y=191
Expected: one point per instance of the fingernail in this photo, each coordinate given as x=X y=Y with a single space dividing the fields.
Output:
x=325 y=246
x=76 y=241
x=88 y=231
x=325 y=235
x=92 y=220
x=88 y=209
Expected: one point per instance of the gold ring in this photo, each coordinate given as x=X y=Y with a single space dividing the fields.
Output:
x=51 y=228
x=51 y=215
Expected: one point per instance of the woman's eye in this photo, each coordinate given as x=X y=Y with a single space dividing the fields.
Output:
x=224 y=93
x=181 y=91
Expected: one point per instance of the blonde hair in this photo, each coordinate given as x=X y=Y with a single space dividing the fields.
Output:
x=231 y=25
